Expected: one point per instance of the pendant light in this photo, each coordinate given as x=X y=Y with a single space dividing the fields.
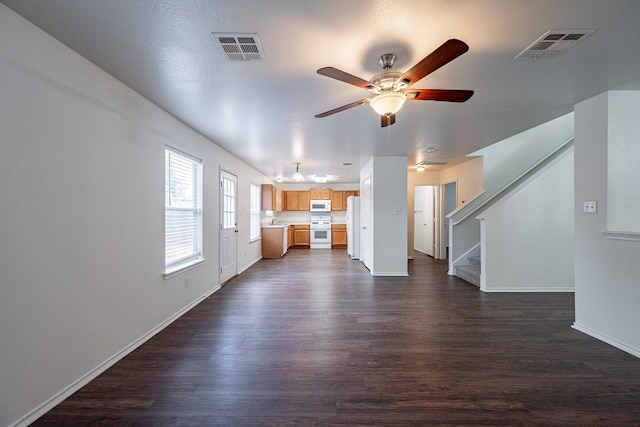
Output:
x=297 y=176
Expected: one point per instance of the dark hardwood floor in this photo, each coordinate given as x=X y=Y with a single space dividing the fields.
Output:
x=314 y=339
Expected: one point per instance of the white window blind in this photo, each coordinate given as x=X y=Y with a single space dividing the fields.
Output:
x=254 y=208
x=183 y=210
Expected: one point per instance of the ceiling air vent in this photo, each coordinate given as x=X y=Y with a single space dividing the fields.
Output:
x=553 y=43
x=434 y=163
x=240 y=47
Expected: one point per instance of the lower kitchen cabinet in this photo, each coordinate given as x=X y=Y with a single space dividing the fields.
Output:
x=301 y=235
x=338 y=235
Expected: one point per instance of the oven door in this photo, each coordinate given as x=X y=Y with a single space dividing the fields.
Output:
x=320 y=238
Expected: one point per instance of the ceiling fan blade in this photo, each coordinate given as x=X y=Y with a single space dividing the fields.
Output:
x=387 y=120
x=334 y=73
x=446 y=53
x=344 y=107
x=439 y=95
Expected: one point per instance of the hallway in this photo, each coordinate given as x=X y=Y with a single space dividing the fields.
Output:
x=314 y=339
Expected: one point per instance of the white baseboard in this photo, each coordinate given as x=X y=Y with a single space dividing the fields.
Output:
x=634 y=351
x=532 y=289
x=57 y=398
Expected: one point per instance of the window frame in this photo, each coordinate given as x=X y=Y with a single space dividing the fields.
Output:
x=191 y=203
x=255 y=201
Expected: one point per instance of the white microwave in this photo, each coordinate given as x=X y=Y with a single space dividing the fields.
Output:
x=320 y=206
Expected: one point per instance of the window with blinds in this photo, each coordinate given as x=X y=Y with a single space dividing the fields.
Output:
x=183 y=210
x=254 y=209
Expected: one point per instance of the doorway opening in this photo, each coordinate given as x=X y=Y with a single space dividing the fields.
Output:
x=424 y=198
x=450 y=198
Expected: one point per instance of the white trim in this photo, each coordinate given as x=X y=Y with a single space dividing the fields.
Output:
x=607 y=339
x=182 y=268
x=391 y=274
x=532 y=289
x=61 y=395
x=633 y=236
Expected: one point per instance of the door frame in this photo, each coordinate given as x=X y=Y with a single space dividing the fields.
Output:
x=417 y=189
x=443 y=229
x=221 y=173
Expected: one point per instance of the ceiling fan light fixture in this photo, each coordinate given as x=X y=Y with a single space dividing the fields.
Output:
x=388 y=103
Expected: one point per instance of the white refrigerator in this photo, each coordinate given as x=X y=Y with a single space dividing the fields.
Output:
x=353 y=227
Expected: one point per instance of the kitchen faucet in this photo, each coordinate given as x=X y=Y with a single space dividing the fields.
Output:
x=273 y=220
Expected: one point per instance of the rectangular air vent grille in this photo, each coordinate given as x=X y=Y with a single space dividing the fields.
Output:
x=553 y=43
x=434 y=163
x=240 y=47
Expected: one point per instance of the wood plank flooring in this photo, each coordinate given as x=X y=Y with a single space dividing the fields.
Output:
x=313 y=339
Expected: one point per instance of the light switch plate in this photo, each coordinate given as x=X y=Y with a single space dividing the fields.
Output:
x=590 y=207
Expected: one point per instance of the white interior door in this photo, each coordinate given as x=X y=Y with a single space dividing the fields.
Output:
x=365 y=223
x=424 y=219
x=228 y=225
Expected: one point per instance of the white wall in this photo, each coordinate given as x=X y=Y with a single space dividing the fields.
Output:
x=528 y=237
x=607 y=271
x=82 y=220
x=623 y=153
x=504 y=161
x=389 y=214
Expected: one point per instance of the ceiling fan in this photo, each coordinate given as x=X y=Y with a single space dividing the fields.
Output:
x=390 y=89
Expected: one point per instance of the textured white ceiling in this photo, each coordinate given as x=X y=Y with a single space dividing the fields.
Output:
x=263 y=112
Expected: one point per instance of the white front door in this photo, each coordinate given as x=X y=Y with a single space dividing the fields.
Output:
x=423 y=226
x=228 y=225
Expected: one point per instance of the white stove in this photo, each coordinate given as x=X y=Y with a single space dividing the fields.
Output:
x=320 y=229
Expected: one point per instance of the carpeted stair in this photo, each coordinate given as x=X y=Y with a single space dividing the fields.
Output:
x=471 y=271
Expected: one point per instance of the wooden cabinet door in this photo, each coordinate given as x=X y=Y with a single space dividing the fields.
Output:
x=320 y=194
x=290 y=236
x=345 y=195
x=303 y=200
x=338 y=235
x=336 y=201
x=290 y=200
x=301 y=235
x=268 y=197
x=279 y=200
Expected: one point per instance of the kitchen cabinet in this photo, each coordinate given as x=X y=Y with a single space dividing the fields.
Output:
x=301 y=235
x=345 y=195
x=274 y=241
x=336 y=200
x=339 y=199
x=296 y=200
x=338 y=235
x=320 y=194
x=303 y=201
x=289 y=236
x=271 y=198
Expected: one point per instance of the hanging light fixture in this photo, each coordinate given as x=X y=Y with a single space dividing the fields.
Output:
x=297 y=176
x=388 y=103
x=420 y=167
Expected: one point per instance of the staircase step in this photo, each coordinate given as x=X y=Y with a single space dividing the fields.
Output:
x=474 y=260
x=469 y=273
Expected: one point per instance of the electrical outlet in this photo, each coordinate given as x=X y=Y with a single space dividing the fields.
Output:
x=187 y=281
x=590 y=207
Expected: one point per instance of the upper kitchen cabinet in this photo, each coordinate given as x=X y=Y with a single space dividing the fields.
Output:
x=271 y=198
x=296 y=200
x=336 y=201
x=339 y=199
x=320 y=194
x=345 y=195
